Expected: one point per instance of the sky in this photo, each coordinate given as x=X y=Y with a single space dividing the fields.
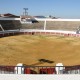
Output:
x=57 y=8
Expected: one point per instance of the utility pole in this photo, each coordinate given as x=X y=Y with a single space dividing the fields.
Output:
x=25 y=11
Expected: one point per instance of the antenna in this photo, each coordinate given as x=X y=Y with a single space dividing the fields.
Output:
x=25 y=11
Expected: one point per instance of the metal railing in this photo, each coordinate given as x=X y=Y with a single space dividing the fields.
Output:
x=39 y=70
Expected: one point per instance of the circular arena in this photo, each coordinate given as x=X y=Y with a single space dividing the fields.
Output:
x=43 y=45
x=64 y=29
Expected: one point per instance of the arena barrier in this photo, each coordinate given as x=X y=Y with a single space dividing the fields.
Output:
x=40 y=69
x=38 y=32
x=24 y=72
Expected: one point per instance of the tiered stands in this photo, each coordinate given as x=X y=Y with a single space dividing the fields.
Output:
x=54 y=25
x=37 y=25
x=10 y=24
x=62 y=25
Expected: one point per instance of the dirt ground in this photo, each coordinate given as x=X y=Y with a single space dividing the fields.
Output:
x=28 y=49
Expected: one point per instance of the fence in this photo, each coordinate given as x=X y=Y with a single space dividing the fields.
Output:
x=39 y=69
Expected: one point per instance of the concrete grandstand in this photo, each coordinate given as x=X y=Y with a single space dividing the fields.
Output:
x=62 y=27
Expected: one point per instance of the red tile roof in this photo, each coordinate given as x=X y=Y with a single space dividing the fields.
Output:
x=9 y=15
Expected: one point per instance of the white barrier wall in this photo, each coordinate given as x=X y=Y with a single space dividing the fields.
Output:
x=38 y=77
x=39 y=32
x=2 y=18
x=40 y=19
